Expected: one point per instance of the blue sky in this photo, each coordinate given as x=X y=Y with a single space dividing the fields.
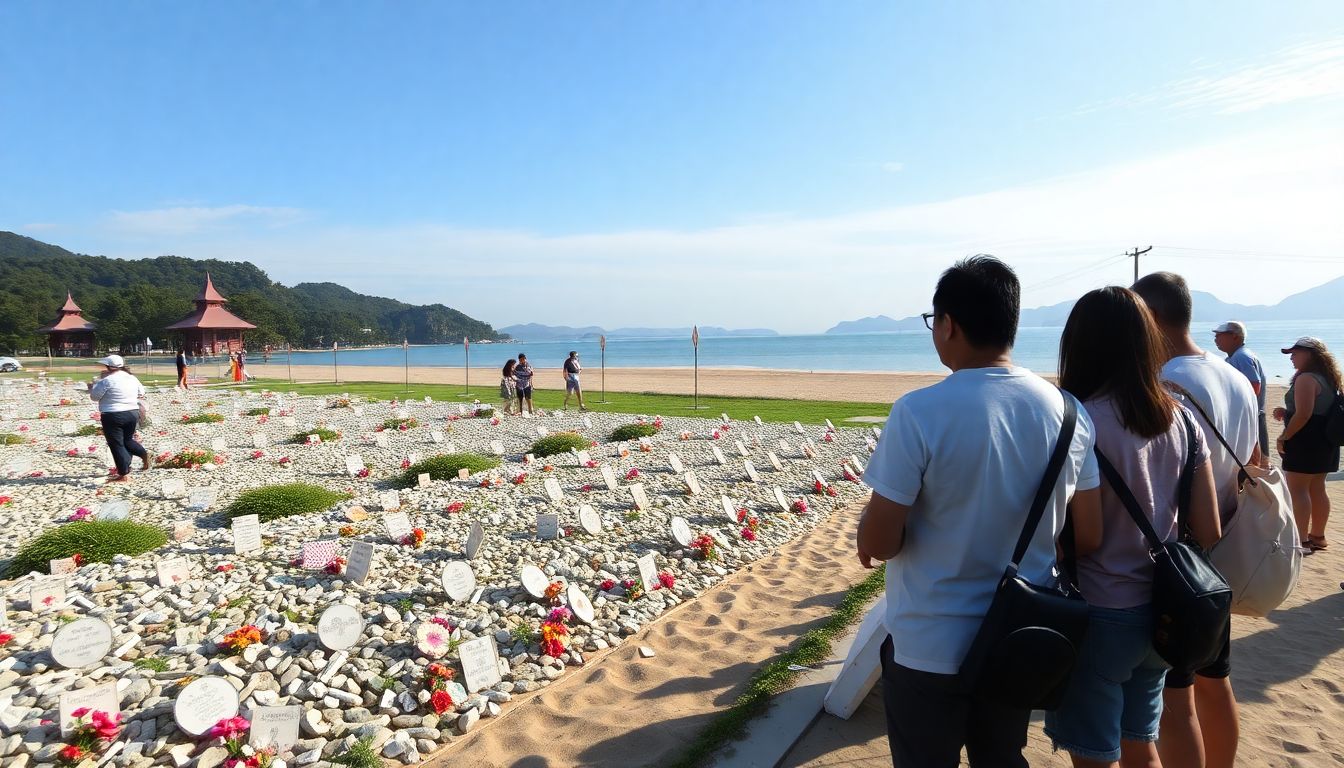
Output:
x=772 y=164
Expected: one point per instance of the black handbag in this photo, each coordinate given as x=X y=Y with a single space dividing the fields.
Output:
x=1027 y=644
x=1192 y=603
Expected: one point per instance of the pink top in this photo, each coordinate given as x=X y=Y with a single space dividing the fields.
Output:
x=1120 y=573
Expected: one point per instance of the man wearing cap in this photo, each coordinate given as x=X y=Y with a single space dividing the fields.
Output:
x=118 y=395
x=1230 y=338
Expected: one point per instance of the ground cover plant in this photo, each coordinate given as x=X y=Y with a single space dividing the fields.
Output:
x=445 y=466
x=96 y=541
x=273 y=502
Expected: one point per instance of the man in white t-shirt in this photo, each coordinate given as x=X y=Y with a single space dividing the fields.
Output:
x=953 y=480
x=1199 y=717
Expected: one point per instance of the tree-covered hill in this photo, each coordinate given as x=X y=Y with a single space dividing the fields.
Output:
x=130 y=300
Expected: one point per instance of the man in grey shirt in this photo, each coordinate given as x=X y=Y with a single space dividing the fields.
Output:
x=1230 y=338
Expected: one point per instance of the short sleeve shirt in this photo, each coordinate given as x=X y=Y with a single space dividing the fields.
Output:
x=571 y=366
x=1226 y=396
x=967 y=455
x=523 y=374
x=1244 y=360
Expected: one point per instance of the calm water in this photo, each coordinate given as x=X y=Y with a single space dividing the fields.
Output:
x=1037 y=349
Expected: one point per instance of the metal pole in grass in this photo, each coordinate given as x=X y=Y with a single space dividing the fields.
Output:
x=335 y=369
x=289 y=360
x=602 y=343
x=406 y=357
x=695 y=347
x=466 y=364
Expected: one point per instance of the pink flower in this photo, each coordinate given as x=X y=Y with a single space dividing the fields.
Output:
x=714 y=435
x=362 y=473
x=586 y=487
x=519 y=478
x=748 y=534
x=828 y=437
x=405 y=463
x=799 y=506
x=229 y=728
x=666 y=580
x=632 y=474
x=591 y=464
x=72 y=452
x=82 y=711
x=442 y=622
x=284 y=461
x=456 y=506
x=608 y=584
x=258 y=454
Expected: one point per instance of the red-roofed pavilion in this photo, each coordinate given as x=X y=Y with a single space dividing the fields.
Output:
x=71 y=335
x=211 y=329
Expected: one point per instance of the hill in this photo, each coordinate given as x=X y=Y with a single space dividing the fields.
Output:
x=538 y=332
x=131 y=299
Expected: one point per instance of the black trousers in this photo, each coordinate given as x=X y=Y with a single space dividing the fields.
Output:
x=930 y=717
x=119 y=431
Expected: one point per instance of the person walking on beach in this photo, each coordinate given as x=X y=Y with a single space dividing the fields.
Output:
x=118 y=395
x=523 y=374
x=1308 y=454
x=508 y=386
x=181 y=368
x=571 y=369
x=1230 y=338
x=1110 y=357
x=953 y=479
x=1199 y=716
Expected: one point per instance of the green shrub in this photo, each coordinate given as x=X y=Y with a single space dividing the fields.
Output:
x=272 y=502
x=633 y=432
x=97 y=540
x=445 y=466
x=327 y=435
x=9 y=438
x=360 y=755
x=257 y=412
x=186 y=458
x=203 y=418
x=88 y=430
x=396 y=424
x=560 y=442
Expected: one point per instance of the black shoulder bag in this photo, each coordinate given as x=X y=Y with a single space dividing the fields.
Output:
x=1027 y=644
x=1192 y=603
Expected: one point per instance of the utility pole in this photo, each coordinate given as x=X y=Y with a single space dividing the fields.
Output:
x=1135 y=254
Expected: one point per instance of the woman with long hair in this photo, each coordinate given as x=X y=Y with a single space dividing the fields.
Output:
x=1308 y=455
x=508 y=386
x=1110 y=358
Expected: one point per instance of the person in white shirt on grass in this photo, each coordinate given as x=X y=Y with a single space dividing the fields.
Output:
x=953 y=479
x=118 y=394
x=1199 y=717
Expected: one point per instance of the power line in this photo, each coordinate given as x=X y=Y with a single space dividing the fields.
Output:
x=1135 y=254
x=1077 y=272
x=1227 y=253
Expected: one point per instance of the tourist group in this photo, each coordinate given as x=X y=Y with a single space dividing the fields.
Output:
x=1049 y=548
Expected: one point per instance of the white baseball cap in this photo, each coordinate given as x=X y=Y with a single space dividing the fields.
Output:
x=1232 y=326
x=113 y=361
x=1307 y=342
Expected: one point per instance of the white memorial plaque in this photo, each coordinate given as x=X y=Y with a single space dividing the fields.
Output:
x=201 y=498
x=758 y=421
x=854 y=462
x=390 y=501
x=674 y=462
x=877 y=432
x=799 y=427
x=729 y=510
x=172 y=571
x=62 y=566
x=809 y=448
x=117 y=509
x=553 y=490
x=183 y=530
x=464 y=474
x=204 y=702
x=784 y=447
x=381 y=440
x=724 y=418
x=289 y=421
x=475 y=537
x=81 y=643
x=582 y=458
x=246 y=534
x=548 y=527
x=648 y=572
x=398 y=525
x=353 y=464
x=259 y=441
x=458 y=581
x=609 y=477
x=589 y=520
x=587 y=423
x=779 y=499
x=640 y=498
x=413 y=457
x=361 y=560
x=751 y=471
x=67 y=428
x=534 y=581
x=829 y=426
x=681 y=531
x=402 y=413
x=774 y=461
x=718 y=456
x=340 y=627
x=314 y=439
x=579 y=604
x=175 y=488
x=97 y=698
x=818 y=478
x=496 y=447
x=436 y=436
x=542 y=431
x=20 y=466
x=692 y=483
x=529 y=458
x=218 y=445
x=276 y=727
x=480 y=663
x=423 y=480
x=870 y=442
x=741 y=448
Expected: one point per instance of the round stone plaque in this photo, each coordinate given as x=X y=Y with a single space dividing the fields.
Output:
x=681 y=531
x=81 y=643
x=459 y=581
x=579 y=604
x=589 y=519
x=204 y=702
x=340 y=627
x=534 y=581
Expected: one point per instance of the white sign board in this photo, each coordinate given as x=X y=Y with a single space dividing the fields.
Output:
x=361 y=560
x=172 y=571
x=553 y=490
x=692 y=484
x=674 y=461
x=751 y=471
x=774 y=461
x=475 y=537
x=380 y=439
x=496 y=447
x=548 y=527
x=640 y=498
x=204 y=702
x=681 y=531
x=648 y=572
x=779 y=499
x=201 y=498
x=81 y=643
x=276 y=727
x=534 y=581
x=729 y=510
x=741 y=448
x=97 y=698
x=390 y=501
x=480 y=664
x=589 y=520
x=398 y=525
x=246 y=534
x=609 y=477
x=354 y=464
x=719 y=458
x=579 y=604
x=175 y=488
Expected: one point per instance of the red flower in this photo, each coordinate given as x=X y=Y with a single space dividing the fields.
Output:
x=229 y=728
x=405 y=463
x=586 y=487
x=106 y=726
x=818 y=487
x=519 y=478
x=606 y=586
x=748 y=534
x=224 y=568
x=79 y=559
x=799 y=506
x=441 y=701
x=5 y=637
x=456 y=506
x=632 y=474
x=665 y=579
x=591 y=464
x=72 y=754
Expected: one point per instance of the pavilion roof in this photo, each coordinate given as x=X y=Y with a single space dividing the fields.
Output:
x=211 y=316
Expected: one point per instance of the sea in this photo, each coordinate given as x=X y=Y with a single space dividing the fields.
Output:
x=908 y=351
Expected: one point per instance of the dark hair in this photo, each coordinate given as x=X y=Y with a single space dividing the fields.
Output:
x=572 y=353
x=982 y=294
x=521 y=357
x=1167 y=297
x=1324 y=364
x=1112 y=347
x=509 y=365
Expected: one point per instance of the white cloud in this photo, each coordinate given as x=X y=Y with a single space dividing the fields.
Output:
x=893 y=167
x=1305 y=72
x=182 y=220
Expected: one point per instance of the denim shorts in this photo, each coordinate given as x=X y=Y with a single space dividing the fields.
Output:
x=1116 y=689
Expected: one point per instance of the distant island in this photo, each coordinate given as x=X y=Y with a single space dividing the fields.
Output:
x=538 y=332
x=1324 y=302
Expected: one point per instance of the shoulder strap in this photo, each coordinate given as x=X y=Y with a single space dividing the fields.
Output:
x=1189 y=398
x=1127 y=498
x=1047 y=486
x=1187 y=480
